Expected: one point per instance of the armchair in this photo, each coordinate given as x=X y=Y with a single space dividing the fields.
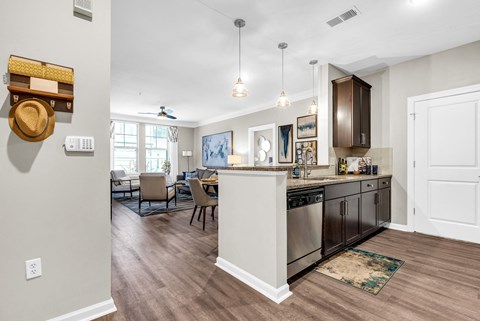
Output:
x=154 y=188
x=120 y=182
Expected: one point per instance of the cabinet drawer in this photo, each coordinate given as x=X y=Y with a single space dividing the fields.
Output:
x=384 y=182
x=341 y=190
x=369 y=185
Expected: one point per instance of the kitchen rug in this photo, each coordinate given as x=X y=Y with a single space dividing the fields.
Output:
x=361 y=269
x=184 y=202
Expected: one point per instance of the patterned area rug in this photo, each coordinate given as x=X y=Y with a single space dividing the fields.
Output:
x=364 y=270
x=184 y=202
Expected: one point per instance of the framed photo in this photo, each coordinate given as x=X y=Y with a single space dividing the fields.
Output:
x=285 y=143
x=307 y=127
x=216 y=148
x=311 y=156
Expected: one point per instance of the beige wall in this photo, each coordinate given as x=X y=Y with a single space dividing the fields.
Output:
x=449 y=69
x=185 y=142
x=53 y=205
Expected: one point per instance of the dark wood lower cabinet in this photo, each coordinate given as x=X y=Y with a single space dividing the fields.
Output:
x=369 y=212
x=352 y=218
x=352 y=213
x=384 y=206
x=333 y=225
x=341 y=222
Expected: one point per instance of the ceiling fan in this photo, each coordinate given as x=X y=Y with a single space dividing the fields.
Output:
x=162 y=114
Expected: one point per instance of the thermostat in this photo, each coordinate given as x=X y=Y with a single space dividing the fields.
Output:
x=79 y=144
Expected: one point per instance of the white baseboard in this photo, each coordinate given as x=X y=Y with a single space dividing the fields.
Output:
x=398 y=227
x=277 y=295
x=89 y=313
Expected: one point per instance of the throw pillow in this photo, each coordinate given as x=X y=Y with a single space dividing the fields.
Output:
x=208 y=173
x=200 y=173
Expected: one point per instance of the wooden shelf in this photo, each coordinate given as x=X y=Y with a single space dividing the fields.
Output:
x=59 y=102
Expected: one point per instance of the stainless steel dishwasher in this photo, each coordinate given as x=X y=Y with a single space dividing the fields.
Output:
x=304 y=229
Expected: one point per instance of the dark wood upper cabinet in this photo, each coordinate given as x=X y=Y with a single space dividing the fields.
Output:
x=351 y=112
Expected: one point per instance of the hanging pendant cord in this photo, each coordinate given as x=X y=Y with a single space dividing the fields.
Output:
x=313 y=81
x=239 y=53
x=283 y=85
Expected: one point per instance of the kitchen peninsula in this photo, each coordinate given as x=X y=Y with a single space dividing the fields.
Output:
x=252 y=232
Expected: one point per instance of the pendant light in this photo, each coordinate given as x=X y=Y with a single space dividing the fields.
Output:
x=283 y=101
x=313 y=109
x=239 y=90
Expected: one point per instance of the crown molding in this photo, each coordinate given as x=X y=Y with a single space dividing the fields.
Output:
x=152 y=120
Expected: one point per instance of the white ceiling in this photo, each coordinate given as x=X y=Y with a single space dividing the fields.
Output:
x=184 y=53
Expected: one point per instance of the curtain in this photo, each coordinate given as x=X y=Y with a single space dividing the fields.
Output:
x=173 y=151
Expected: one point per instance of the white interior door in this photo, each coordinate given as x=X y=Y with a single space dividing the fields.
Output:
x=447 y=169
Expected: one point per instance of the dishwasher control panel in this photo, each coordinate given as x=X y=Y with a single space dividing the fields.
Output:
x=304 y=197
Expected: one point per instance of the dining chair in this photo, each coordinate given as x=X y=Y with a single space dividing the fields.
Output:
x=202 y=199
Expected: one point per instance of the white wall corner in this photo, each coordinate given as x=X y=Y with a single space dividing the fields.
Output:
x=277 y=295
x=89 y=313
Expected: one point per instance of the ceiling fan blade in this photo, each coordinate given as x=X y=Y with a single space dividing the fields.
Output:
x=171 y=117
x=148 y=113
x=169 y=110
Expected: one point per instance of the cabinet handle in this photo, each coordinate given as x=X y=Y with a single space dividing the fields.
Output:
x=346 y=208
x=385 y=183
x=369 y=185
x=377 y=198
x=362 y=138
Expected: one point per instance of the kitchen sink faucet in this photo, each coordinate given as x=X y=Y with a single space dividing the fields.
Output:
x=305 y=163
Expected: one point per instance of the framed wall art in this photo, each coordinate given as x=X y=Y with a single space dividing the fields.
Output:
x=216 y=148
x=307 y=127
x=311 y=156
x=285 y=143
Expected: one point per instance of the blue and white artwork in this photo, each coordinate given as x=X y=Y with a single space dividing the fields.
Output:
x=307 y=126
x=285 y=144
x=216 y=148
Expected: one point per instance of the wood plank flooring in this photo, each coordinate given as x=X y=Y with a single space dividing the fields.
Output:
x=163 y=269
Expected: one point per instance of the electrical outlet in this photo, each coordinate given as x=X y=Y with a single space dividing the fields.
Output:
x=33 y=268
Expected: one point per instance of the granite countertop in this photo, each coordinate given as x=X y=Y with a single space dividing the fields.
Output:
x=258 y=168
x=294 y=183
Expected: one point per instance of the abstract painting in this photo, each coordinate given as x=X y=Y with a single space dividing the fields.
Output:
x=307 y=126
x=285 y=143
x=311 y=155
x=216 y=148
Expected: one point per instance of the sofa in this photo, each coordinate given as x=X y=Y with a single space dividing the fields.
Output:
x=182 y=179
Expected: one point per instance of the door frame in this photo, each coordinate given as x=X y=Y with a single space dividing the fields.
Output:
x=411 y=101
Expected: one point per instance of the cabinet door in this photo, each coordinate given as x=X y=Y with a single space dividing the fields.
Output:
x=356 y=121
x=365 y=117
x=352 y=218
x=369 y=212
x=333 y=225
x=384 y=205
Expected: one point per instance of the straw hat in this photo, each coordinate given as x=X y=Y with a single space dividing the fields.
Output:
x=32 y=119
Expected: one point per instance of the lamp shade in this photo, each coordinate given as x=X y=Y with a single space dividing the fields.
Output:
x=234 y=159
x=187 y=153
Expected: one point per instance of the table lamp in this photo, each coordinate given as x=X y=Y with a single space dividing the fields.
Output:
x=234 y=159
x=188 y=154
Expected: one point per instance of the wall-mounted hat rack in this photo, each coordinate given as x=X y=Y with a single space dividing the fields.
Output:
x=37 y=79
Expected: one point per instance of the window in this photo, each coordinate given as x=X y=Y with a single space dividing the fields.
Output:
x=125 y=145
x=155 y=147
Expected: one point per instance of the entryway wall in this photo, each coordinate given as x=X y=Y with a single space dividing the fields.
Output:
x=453 y=68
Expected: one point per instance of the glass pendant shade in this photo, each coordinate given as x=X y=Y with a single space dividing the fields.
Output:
x=313 y=109
x=239 y=90
x=283 y=101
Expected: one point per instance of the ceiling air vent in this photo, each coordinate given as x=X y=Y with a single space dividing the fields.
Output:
x=343 y=17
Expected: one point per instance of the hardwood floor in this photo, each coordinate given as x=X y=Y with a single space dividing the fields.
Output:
x=163 y=269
